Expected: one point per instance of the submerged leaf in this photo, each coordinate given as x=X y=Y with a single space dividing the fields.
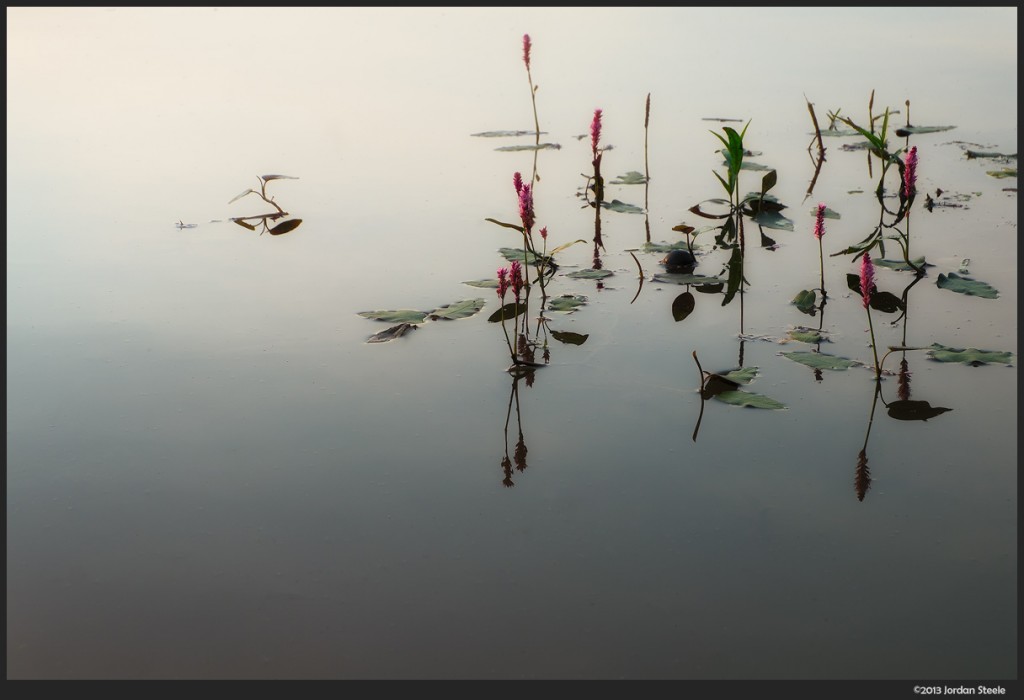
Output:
x=391 y=333
x=914 y=410
x=820 y=360
x=403 y=315
x=969 y=356
x=966 y=285
x=459 y=309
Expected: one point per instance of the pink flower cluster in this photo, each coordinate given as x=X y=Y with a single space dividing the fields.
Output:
x=867 y=278
x=595 y=131
x=910 y=173
x=526 y=50
x=819 y=222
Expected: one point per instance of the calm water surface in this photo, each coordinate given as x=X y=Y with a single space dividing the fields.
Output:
x=211 y=474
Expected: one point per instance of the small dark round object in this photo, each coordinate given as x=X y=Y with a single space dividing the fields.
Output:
x=679 y=260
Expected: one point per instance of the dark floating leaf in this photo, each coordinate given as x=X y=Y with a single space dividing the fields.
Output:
x=391 y=333
x=402 y=315
x=710 y=288
x=631 y=178
x=914 y=410
x=529 y=147
x=456 y=310
x=908 y=130
x=569 y=338
x=284 y=226
x=885 y=302
x=664 y=247
x=682 y=306
x=590 y=274
x=682 y=228
x=969 y=356
x=820 y=360
x=966 y=285
x=508 y=311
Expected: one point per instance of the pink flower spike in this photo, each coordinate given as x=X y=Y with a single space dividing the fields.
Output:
x=910 y=173
x=502 y=283
x=595 y=131
x=526 y=207
x=819 y=222
x=516 y=275
x=526 y=50
x=867 y=278
x=517 y=182
x=544 y=233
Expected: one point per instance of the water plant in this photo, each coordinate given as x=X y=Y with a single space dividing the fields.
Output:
x=867 y=285
x=527 y=46
x=819 y=232
x=265 y=219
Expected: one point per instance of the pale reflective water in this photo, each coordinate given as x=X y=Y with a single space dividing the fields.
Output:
x=211 y=475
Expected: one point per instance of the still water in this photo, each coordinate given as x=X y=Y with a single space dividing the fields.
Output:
x=211 y=473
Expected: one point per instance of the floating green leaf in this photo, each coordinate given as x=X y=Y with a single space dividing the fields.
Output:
x=914 y=410
x=631 y=178
x=459 y=309
x=399 y=315
x=966 y=285
x=681 y=278
x=590 y=274
x=744 y=375
x=750 y=165
x=519 y=254
x=820 y=360
x=969 y=356
x=748 y=399
x=804 y=300
x=494 y=134
x=1005 y=172
x=622 y=207
x=829 y=213
x=391 y=333
x=773 y=219
x=570 y=338
x=484 y=284
x=567 y=302
x=529 y=147
x=806 y=335
x=989 y=154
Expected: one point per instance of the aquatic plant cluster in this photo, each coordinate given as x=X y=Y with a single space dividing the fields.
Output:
x=526 y=333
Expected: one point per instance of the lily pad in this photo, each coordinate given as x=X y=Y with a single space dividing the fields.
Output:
x=744 y=375
x=631 y=178
x=570 y=338
x=914 y=410
x=459 y=309
x=969 y=356
x=773 y=219
x=392 y=333
x=590 y=274
x=567 y=302
x=399 y=315
x=622 y=207
x=966 y=285
x=820 y=360
x=748 y=399
x=484 y=284
x=519 y=254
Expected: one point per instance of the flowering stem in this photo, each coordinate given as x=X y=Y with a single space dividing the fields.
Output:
x=821 y=264
x=878 y=368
